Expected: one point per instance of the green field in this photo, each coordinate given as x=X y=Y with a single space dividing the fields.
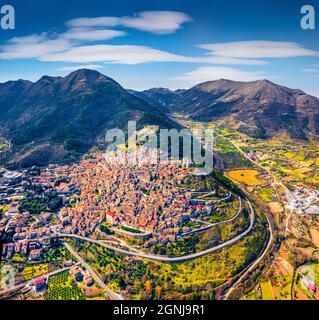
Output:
x=61 y=287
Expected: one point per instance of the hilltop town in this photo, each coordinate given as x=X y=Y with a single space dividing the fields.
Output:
x=145 y=202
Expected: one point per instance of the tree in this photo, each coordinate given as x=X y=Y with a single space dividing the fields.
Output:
x=158 y=290
x=121 y=283
x=148 y=286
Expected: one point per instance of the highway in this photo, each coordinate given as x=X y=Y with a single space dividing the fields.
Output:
x=276 y=182
x=252 y=266
x=110 y=293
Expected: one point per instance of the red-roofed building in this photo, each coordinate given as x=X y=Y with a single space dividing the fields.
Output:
x=35 y=254
x=111 y=218
x=40 y=284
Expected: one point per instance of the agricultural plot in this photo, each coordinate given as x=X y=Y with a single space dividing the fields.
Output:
x=299 y=173
x=289 y=161
x=32 y=272
x=315 y=237
x=224 y=146
x=61 y=287
x=266 y=290
x=254 y=295
x=249 y=177
x=266 y=194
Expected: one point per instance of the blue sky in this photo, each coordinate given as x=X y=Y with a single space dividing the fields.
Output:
x=175 y=43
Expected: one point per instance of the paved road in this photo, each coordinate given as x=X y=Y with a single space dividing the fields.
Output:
x=230 y=290
x=276 y=182
x=110 y=293
x=254 y=264
x=48 y=275
x=211 y=225
x=269 y=223
x=168 y=259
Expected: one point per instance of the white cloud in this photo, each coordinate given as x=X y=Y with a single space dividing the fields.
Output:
x=37 y=45
x=204 y=74
x=86 y=66
x=229 y=60
x=97 y=22
x=73 y=46
x=310 y=70
x=158 y=22
x=236 y=53
x=130 y=54
x=259 y=49
x=83 y=34
x=65 y=47
x=32 y=46
x=122 y=54
x=313 y=69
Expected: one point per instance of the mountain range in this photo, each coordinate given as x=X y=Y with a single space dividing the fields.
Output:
x=259 y=108
x=60 y=118
x=57 y=118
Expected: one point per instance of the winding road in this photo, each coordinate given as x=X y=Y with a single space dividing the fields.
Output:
x=163 y=258
x=109 y=292
x=271 y=232
x=254 y=264
x=275 y=181
x=211 y=225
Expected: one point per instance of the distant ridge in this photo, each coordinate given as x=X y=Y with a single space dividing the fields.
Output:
x=60 y=118
x=259 y=108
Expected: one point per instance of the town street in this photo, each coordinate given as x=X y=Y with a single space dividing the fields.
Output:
x=210 y=225
x=169 y=259
x=109 y=292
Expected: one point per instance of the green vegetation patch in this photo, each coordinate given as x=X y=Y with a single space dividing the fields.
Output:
x=35 y=271
x=266 y=290
x=197 y=279
x=132 y=230
x=59 y=253
x=61 y=287
x=46 y=203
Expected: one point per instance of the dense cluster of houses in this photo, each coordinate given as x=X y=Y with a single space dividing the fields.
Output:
x=145 y=197
x=27 y=234
x=303 y=201
x=80 y=275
